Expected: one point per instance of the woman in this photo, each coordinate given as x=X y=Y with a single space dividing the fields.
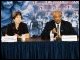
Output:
x=17 y=27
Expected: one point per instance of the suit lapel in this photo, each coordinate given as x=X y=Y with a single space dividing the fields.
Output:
x=62 y=27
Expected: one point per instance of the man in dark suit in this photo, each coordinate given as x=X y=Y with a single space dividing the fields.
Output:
x=64 y=27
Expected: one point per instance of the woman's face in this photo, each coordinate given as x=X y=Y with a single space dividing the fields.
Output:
x=17 y=19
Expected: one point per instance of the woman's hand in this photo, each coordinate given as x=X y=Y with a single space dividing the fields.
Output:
x=26 y=37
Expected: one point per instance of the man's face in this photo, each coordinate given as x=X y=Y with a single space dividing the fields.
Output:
x=57 y=15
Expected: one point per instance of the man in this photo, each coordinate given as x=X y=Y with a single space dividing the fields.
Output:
x=57 y=26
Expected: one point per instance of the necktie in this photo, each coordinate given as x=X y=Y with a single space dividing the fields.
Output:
x=58 y=33
x=58 y=29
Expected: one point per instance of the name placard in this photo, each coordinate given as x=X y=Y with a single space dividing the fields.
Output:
x=69 y=37
x=9 y=38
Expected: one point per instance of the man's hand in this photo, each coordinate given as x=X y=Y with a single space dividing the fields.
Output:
x=54 y=30
x=58 y=36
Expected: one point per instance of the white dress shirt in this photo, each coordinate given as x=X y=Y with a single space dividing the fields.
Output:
x=59 y=27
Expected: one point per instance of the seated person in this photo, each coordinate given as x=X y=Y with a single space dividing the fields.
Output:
x=17 y=26
x=57 y=26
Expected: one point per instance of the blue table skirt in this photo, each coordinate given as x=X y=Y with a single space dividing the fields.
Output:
x=40 y=50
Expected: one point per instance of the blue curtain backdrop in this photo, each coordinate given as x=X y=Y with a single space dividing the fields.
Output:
x=40 y=50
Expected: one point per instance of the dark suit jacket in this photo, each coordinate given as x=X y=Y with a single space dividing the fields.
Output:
x=65 y=29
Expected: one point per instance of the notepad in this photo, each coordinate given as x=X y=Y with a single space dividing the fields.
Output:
x=9 y=38
x=69 y=37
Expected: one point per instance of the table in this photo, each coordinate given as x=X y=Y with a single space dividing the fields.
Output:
x=40 y=50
